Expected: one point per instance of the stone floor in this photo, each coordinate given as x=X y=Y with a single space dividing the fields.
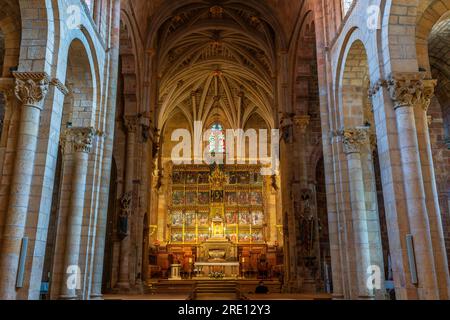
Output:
x=178 y=297
x=181 y=297
x=283 y=296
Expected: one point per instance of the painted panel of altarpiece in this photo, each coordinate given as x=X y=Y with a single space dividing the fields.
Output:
x=194 y=204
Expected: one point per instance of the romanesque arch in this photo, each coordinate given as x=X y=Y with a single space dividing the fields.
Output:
x=39 y=60
x=433 y=55
x=37 y=82
x=358 y=134
x=77 y=139
x=353 y=93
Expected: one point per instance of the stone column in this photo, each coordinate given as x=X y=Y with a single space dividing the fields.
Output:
x=271 y=207
x=31 y=89
x=143 y=236
x=78 y=143
x=431 y=192
x=131 y=125
x=7 y=90
x=372 y=209
x=334 y=160
x=302 y=124
x=287 y=195
x=405 y=90
x=353 y=140
x=95 y=293
x=306 y=214
x=108 y=141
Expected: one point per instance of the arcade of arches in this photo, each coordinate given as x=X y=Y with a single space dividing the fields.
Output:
x=128 y=136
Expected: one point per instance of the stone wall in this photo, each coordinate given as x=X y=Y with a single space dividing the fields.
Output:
x=395 y=48
x=339 y=85
x=64 y=97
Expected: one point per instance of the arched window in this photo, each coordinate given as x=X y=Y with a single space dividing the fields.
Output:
x=346 y=5
x=217 y=139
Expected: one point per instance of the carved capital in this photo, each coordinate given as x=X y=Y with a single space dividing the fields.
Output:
x=31 y=87
x=427 y=94
x=354 y=138
x=146 y=133
x=78 y=139
x=131 y=123
x=287 y=127
x=376 y=87
x=60 y=86
x=286 y=119
x=126 y=203
x=411 y=90
x=302 y=122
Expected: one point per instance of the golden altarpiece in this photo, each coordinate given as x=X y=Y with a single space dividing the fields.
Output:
x=219 y=218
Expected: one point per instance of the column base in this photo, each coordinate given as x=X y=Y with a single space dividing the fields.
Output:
x=138 y=288
x=366 y=298
x=338 y=296
x=122 y=287
x=96 y=297
x=68 y=297
x=292 y=286
x=309 y=286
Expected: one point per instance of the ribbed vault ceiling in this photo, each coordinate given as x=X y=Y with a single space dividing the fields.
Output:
x=216 y=61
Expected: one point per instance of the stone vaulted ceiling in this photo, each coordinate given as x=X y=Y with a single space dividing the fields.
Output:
x=216 y=61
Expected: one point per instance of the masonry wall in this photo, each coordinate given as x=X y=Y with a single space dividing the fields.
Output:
x=45 y=53
x=396 y=46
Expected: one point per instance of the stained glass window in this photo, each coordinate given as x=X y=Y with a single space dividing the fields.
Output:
x=217 y=139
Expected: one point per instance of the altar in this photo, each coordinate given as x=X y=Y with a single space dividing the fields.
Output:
x=218 y=255
x=217 y=224
x=221 y=269
x=217 y=248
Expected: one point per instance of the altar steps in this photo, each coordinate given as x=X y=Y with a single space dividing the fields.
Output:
x=216 y=290
x=210 y=288
x=171 y=287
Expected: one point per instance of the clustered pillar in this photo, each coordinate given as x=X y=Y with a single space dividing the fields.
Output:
x=410 y=93
x=131 y=124
x=289 y=233
x=31 y=90
x=354 y=139
x=78 y=143
x=305 y=211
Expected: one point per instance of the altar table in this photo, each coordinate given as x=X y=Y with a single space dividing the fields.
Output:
x=229 y=269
